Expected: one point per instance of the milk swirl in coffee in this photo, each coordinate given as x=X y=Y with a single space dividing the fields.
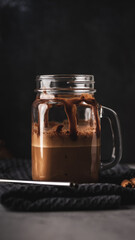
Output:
x=68 y=151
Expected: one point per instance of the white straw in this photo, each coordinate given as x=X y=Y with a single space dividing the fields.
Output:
x=66 y=184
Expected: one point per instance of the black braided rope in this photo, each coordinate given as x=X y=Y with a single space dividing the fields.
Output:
x=108 y=194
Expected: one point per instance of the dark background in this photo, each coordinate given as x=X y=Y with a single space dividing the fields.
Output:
x=45 y=37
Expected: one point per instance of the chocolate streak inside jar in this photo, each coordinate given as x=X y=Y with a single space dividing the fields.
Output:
x=60 y=154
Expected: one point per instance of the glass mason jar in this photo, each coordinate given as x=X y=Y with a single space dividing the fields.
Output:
x=66 y=130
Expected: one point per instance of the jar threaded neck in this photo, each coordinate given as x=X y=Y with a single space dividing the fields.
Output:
x=65 y=83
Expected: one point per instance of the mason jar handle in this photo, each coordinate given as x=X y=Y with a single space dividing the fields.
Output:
x=113 y=119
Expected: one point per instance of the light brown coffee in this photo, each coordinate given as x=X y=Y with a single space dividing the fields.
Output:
x=66 y=164
x=60 y=158
x=61 y=154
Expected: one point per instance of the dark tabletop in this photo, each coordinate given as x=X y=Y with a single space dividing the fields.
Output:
x=103 y=225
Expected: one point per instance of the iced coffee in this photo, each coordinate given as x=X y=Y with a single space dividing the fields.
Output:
x=67 y=151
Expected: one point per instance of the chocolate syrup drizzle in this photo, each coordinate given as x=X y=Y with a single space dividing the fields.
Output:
x=71 y=112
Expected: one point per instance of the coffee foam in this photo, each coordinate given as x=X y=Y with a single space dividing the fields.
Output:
x=86 y=136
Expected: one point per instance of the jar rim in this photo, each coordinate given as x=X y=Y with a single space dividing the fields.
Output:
x=69 y=83
x=89 y=77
